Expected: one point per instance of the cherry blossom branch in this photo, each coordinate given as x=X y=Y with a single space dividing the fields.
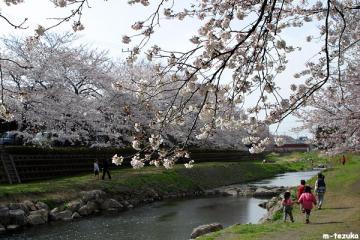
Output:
x=16 y=26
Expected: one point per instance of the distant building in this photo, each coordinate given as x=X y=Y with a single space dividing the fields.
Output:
x=293 y=147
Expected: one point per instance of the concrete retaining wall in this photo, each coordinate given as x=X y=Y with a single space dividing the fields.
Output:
x=37 y=166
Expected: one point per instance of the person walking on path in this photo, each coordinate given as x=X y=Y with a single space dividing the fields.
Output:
x=300 y=190
x=343 y=159
x=307 y=199
x=320 y=189
x=106 y=169
x=96 y=169
x=287 y=206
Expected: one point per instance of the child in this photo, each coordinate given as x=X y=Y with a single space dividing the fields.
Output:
x=307 y=199
x=96 y=169
x=300 y=189
x=287 y=205
x=320 y=189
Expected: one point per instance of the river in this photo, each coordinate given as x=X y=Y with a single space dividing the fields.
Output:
x=166 y=220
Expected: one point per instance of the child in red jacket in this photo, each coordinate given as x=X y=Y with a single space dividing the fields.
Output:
x=300 y=189
x=307 y=199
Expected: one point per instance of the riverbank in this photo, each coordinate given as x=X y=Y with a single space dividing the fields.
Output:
x=80 y=196
x=201 y=176
x=340 y=213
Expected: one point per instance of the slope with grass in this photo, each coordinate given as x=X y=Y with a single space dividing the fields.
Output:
x=164 y=182
x=340 y=213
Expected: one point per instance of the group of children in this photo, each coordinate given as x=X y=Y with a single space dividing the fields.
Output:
x=305 y=198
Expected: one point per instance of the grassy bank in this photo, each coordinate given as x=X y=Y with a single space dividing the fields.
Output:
x=340 y=213
x=201 y=176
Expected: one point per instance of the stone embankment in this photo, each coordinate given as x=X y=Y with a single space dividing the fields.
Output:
x=14 y=216
x=205 y=229
x=247 y=190
x=272 y=206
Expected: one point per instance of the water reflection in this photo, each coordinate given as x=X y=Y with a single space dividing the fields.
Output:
x=162 y=220
x=287 y=179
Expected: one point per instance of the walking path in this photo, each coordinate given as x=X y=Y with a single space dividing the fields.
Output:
x=340 y=213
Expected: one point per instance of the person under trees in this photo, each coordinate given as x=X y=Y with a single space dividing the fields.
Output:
x=307 y=200
x=105 y=169
x=247 y=40
x=320 y=189
x=343 y=159
x=287 y=204
x=96 y=169
x=300 y=189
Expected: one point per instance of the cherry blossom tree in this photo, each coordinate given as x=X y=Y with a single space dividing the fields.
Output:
x=244 y=39
x=333 y=115
x=163 y=136
x=67 y=89
x=78 y=93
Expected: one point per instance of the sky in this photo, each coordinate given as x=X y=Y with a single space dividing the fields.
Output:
x=107 y=21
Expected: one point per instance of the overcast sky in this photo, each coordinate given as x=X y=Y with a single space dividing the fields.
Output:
x=107 y=21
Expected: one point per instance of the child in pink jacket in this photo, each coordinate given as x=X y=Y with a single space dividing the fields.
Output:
x=287 y=206
x=307 y=199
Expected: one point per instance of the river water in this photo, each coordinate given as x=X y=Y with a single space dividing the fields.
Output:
x=166 y=220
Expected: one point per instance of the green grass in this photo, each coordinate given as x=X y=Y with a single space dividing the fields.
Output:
x=344 y=181
x=179 y=178
x=252 y=230
x=202 y=175
x=346 y=175
x=298 y=161
x=278 y=216
x=249 y=231
x=284 y=157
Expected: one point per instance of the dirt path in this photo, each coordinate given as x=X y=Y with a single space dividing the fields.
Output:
x=340 y=213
